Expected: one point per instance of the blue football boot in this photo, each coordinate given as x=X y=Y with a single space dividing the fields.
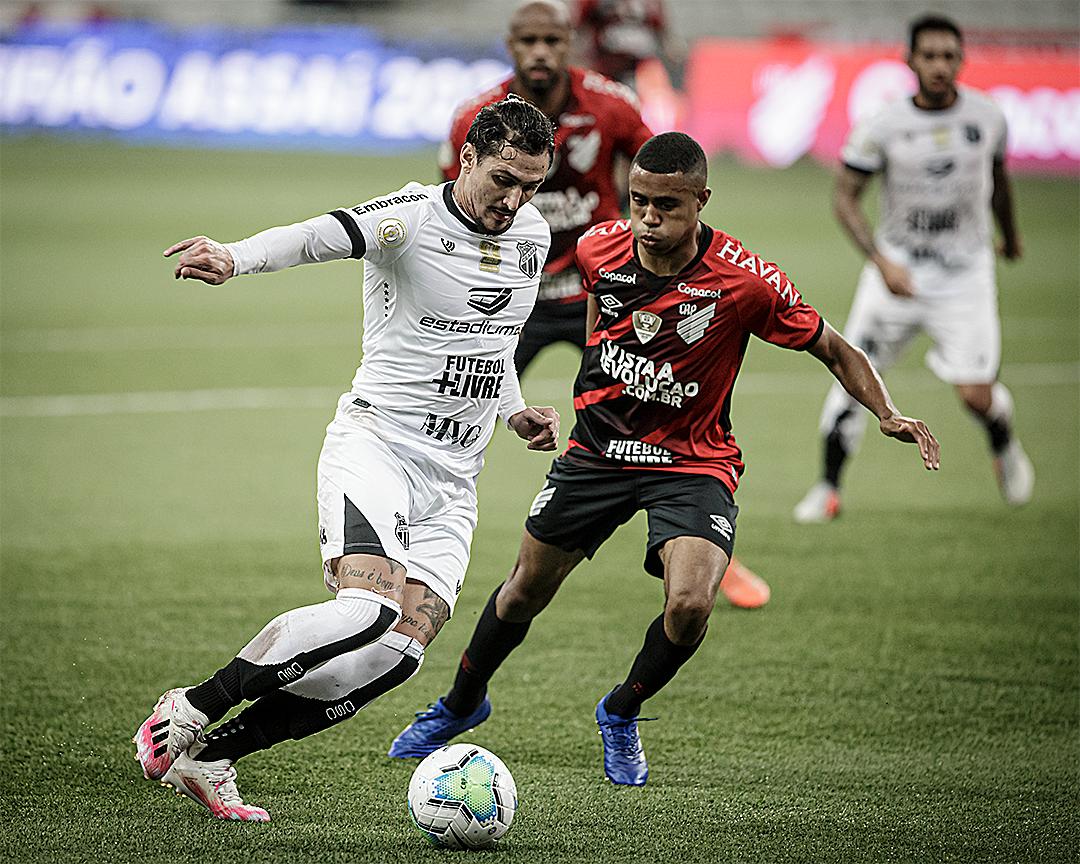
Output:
x=624 y=757
x=434 y=728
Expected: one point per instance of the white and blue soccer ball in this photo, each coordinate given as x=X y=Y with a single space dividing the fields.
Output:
x=462 y=797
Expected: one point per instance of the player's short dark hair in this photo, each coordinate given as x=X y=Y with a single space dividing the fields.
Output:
x=513 y=122
x=937 y=23
x=672 y=153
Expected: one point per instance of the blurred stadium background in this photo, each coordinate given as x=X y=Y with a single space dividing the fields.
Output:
x=911 y=692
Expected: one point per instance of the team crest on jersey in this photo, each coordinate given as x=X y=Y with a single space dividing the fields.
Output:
x=489 y=300
x=610 y=304
x=490 y=257
x=583 y=150
x=527 y=258
x=391 y=233
x=646 y=325
x=972 y=133
x=693 y=327
x=401 y=531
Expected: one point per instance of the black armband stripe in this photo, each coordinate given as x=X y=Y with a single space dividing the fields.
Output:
x=359 y=245
x=812 y=341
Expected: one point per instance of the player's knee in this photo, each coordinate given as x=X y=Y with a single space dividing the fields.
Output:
x=375 y=613
x=685 y=618
x=520 y=599
x=526 y=592
x=976 y=399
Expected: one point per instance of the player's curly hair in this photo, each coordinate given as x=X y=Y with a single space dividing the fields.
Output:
x=938 y=23
x=672 y=153
x=513 y=122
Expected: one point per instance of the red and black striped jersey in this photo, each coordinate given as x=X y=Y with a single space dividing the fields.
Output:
x=654 y=389
x=599 y=121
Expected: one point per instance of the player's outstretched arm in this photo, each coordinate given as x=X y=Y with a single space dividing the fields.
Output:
x=539 y=426
x=854 y=371
x=323 y=238
x=203 y=259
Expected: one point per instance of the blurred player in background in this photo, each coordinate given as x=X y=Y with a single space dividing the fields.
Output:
x=596 y=120
x=930 y=267
x=673 y=303
x=622 y=34
x=450 y=275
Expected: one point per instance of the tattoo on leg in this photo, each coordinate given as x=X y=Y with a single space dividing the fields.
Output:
x=412 y=622
x=380 y=583
x=434 y=608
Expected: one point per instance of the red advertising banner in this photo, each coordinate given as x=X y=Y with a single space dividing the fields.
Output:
x=776 y=101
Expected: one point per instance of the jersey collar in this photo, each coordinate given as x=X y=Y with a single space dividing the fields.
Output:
x=456 y=212
x=705 y=238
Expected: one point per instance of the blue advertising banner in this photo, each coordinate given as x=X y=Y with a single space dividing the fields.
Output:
x=309 y=87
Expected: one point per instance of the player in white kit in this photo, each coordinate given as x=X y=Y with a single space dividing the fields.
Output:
x=930 y=267
x=451 y=273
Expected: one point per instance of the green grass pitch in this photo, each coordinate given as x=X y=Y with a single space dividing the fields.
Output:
x=910 y=693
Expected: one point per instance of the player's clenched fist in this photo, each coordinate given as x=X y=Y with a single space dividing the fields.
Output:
x=203 y=259
x=539 y=426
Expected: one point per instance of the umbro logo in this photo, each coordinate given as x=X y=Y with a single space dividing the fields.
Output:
x=722 y=525
x=610 y=304
x=447 y=245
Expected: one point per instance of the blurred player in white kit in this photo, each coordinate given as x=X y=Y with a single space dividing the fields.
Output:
x=930 y=265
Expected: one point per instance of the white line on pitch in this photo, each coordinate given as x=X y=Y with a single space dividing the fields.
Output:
x=540 y=389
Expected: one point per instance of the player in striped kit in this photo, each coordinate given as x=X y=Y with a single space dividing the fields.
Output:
x=597 y=125
x=451 y=273
x=673 y=303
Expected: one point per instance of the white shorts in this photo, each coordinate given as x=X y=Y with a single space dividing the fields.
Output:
x=957 y=309
x=380 y=498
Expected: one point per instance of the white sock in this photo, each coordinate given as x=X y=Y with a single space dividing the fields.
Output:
x=364 y=674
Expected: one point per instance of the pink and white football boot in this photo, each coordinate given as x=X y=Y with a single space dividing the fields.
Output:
x=170 y=729
x=212 y=784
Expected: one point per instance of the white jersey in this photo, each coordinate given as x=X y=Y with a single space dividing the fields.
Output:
x=444 y=303
x=937 y=178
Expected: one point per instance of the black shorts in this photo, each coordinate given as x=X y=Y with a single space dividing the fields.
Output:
x=580 y=507
x=550 y=323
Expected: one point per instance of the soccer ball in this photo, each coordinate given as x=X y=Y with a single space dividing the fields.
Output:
x=462 y=797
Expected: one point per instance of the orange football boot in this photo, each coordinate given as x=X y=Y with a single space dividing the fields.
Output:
x=743 y=587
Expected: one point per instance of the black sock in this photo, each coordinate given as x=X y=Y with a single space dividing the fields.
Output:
x=242 y=679
x=260 y=726
x=218 y=693
x=281 y=715
x=835 y=453
x=999 y=432
x=656 y=664
x=491 y=643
